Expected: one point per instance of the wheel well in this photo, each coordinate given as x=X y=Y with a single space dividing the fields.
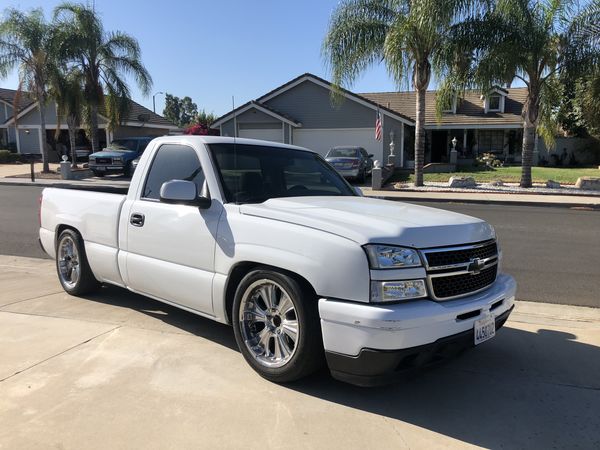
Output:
x=240 y=270
x=63 y=227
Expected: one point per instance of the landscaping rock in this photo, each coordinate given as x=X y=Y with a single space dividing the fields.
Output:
x=462 y=182
x=588 y=183
x=552 y=184
x=497 y=183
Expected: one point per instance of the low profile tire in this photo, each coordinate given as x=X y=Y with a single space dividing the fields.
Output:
x=276 y=325
x=73 y=270
x=98 y=174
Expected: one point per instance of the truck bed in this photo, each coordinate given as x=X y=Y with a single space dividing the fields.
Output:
x=105 y=188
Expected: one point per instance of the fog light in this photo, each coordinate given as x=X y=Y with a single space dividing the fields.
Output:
x=392 y=291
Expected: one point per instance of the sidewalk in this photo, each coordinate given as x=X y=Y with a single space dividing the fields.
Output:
x=498 y=198
x=117 y=370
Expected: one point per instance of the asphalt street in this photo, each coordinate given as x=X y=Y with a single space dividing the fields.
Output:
x=554 y=253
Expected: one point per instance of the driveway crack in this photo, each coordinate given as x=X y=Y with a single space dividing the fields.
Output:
x=60 y=353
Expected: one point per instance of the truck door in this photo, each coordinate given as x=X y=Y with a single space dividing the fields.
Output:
x=170 y=247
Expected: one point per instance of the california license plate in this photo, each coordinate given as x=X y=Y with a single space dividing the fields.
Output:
x=484 y=329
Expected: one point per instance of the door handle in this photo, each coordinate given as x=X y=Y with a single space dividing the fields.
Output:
x=137 y=220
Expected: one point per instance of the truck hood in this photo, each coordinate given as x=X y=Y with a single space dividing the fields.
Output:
x=369 y=220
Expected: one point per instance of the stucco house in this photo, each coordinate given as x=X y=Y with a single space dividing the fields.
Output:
x=25 y=135
x=301 y=112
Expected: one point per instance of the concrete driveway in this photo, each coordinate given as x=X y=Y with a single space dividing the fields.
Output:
x=117 y=370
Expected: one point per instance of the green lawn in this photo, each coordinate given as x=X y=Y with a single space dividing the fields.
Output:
x=564 y=175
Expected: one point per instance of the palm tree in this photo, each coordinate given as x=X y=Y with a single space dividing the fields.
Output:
x=528 y=40
x=25 y=42
x=104 y=60
x=66 y=89
x=406 y=35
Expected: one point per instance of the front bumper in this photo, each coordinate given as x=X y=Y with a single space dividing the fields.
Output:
x=349 y=173
x=369 y=344
x=107 y=168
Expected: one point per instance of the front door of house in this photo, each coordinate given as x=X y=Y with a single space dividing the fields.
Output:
x=439 y=139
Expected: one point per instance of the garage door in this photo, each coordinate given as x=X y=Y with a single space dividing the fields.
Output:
x=322 y=140
x=265 y=134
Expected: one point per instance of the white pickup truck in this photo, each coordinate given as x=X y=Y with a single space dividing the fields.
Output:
x=270 y=239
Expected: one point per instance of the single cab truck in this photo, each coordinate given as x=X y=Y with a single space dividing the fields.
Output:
x=271 y=239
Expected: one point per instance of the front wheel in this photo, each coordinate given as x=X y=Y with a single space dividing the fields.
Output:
x=276 y=326
x=74 y=272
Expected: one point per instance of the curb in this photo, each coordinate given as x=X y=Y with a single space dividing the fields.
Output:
x=71 y=184
x=594 y=207
x=570 y=204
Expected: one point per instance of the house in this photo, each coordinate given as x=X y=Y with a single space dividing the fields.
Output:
x=301 y=112
x=25 y=136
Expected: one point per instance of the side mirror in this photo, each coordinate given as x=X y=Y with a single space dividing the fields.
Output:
x=371 y=155
x=184 y=192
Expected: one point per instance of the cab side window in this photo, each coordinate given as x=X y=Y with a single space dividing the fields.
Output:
x=172 y=162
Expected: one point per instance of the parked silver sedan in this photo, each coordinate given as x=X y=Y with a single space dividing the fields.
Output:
x=351 y=162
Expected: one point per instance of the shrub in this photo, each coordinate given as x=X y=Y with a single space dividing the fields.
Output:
x=6 y=157
x=489 y=160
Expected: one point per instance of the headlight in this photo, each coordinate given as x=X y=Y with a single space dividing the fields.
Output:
x=390 y=257
x=117 y=160
x=392 y=291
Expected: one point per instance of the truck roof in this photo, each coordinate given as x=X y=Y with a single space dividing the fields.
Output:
x=229 y=140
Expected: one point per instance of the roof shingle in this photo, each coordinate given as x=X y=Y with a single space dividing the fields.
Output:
x=469 y=108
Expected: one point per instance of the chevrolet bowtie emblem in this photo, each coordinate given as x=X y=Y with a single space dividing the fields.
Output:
x=475 y=266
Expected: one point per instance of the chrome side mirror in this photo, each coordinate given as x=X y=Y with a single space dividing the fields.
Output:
x=184 y=192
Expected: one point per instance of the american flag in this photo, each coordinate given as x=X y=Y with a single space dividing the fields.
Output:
x=378 y=130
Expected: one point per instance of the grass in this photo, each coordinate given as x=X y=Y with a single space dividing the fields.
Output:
x=564 y=175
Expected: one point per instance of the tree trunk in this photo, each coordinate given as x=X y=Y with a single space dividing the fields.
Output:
x=420 y=137
x=527 y=153
x=531 y=112
x=72 y=132
x=42 y=106
x=94 y=126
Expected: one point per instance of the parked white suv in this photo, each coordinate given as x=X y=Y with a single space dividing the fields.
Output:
x=269 y=238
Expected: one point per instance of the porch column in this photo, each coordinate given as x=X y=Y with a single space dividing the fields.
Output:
x=402 y=145
x=17 y=139
x=464 y=141
x=107 y=136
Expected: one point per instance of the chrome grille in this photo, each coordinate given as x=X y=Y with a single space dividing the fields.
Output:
x=442 y=258
x=458 y=285
x=454 y=272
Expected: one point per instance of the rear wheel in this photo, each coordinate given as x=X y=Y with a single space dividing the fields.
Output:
x=276 y=326
x=74 y=272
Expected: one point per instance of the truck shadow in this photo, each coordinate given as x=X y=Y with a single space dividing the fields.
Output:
x=521 y=390
x=170 y=315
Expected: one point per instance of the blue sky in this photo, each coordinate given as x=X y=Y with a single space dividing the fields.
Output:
x=211 y=50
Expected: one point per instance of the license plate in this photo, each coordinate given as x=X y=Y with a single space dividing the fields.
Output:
x=100 y=168
x=484 y=329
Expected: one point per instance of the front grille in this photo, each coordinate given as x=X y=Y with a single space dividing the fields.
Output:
x=456 y=285
x=458 y=256
x=103 y=160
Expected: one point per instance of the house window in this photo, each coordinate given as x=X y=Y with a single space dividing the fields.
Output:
x=494 y=103
x=491 y=141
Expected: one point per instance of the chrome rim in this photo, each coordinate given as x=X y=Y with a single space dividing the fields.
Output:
x=68 y=262
x=269 y=323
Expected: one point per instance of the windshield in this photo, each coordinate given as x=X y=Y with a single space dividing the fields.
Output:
x=124 y=144
x=254 y=174
x=343 y=153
